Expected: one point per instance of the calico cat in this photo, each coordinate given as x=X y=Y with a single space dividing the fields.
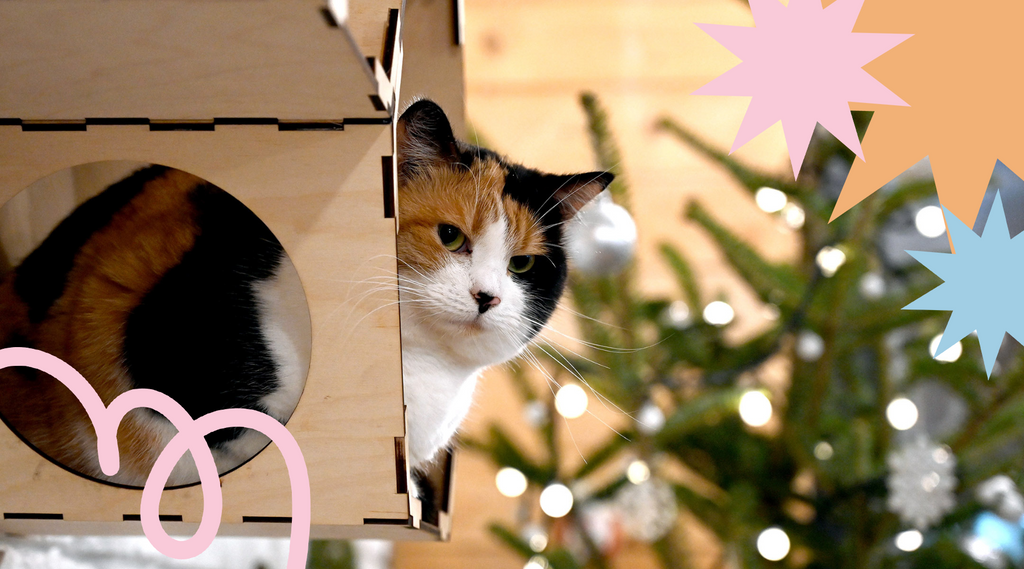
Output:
x=481 y=266
x=164 y=281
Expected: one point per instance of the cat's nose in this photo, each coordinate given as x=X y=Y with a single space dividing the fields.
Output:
x=485 y=301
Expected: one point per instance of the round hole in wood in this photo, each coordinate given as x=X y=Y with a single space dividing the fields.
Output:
x=145 y=276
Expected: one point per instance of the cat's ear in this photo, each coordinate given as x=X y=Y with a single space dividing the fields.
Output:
x=577 y=190
x=425 y=140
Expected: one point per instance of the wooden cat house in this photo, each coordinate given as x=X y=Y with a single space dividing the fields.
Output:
x=289 y=105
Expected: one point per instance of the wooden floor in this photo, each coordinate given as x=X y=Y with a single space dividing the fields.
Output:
x=526 y=64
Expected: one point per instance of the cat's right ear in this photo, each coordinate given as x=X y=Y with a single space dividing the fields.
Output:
x=425 y=140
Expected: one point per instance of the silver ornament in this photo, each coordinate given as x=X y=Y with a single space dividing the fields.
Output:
x=650 y=419
x=1002 y=495
x=921 y=482
x=602 y=237
x=648 y=509
x=872 y=286
x=601 y=521
x=536 y=537
x=809 y=346
x=677 y=315
x=535 y=413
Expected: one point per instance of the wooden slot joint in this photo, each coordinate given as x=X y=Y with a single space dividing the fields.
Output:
x=266 y=519
x=162 y=517
x=31 y=516
x=329 y=18
x=458 y=23
x=207 y=125
x=400 y=471
x=390 y=42
x=388 y=172
x=387 y=522
x=199 y=126
x=53 y=126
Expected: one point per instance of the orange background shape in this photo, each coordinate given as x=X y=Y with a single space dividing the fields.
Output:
x=960 y=73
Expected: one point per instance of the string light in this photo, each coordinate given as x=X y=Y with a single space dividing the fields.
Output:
x=770 y=199
x=677 y=315
x=773 y=544
x=650 y=419
x=537 y=562
x=793 y=215
x=901 y=413
x=638 y=472
x=809 y=346
x=718 y=313
x=510 y=482
x=755 y=408
x=909 y=540
x=951 y=354
x=571 y=401
x=829 y=259
x=535 y=536
x=556 y=500
x=823 y=451
x=872 y=286
x=929 y=221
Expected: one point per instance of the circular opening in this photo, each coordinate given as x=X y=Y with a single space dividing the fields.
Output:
x=144 y=276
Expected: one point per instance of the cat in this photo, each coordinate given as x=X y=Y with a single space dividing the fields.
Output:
x=165 y=281
x=482 y=266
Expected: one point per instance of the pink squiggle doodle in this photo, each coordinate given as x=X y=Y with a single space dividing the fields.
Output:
x=190 y=438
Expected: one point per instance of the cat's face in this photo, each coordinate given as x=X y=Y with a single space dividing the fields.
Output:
x=480 y=241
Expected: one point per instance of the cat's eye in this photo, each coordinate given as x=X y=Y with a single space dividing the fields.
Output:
x=521 y=263
x=452 y=238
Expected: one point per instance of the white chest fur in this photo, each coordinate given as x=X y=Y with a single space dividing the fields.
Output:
x=438 y=397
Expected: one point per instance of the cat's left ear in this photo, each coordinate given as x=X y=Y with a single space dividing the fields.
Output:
x=576 y=191
x=425 y=140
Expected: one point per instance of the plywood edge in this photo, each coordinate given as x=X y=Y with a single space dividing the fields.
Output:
x=251 y=155
x=255 y=529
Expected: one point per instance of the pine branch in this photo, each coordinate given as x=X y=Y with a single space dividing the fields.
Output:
x=750 y=178
x=601 y=456
x=605 y=149
x=511 y=539
x=684 y=274
x=707 y=408
x=768 y=281
x=504 y=452
x=905 y=195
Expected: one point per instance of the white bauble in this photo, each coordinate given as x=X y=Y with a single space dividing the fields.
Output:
x=602 y=237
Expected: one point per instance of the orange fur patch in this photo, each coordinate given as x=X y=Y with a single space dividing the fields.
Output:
x=470 y=199
x=112 y=272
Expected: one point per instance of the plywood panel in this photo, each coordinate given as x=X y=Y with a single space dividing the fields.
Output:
x=181 y=60
x=322 y=195
x=368 y=23
x=433 y=66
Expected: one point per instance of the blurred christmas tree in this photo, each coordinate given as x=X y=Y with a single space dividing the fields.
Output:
x=872 y=452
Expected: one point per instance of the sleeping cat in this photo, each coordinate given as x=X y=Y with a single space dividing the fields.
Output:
x=164 y=281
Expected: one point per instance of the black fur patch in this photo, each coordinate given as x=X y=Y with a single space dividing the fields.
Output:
x=196 y=336
x=546 y=280
x=42 y=276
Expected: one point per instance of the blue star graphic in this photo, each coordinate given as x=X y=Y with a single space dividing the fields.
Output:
x=982 y=284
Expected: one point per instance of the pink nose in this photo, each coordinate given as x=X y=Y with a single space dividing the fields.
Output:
x=486 y=301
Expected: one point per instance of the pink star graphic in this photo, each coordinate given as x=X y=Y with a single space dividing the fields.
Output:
x=802 y=65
